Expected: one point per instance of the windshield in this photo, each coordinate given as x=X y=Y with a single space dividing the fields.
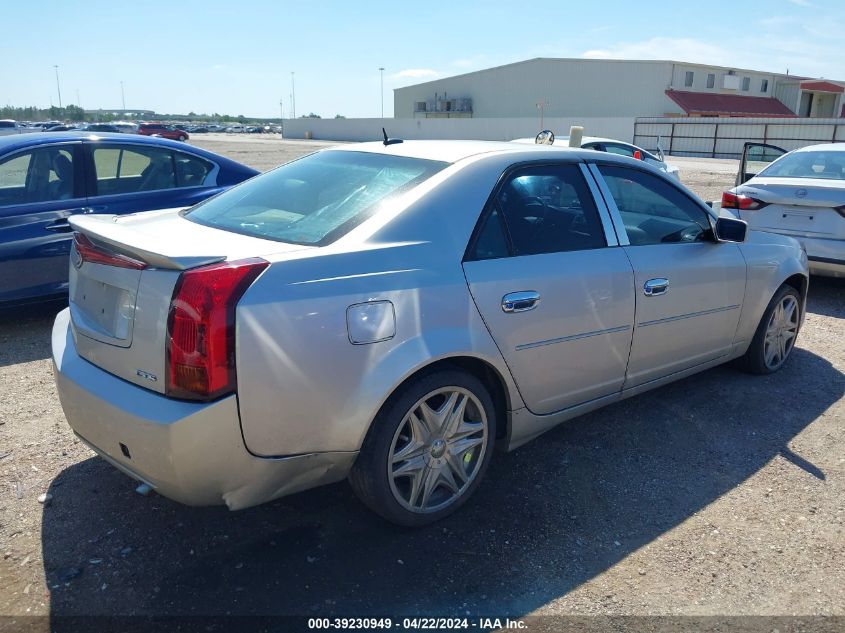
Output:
x=314 y=200
x=823 y=165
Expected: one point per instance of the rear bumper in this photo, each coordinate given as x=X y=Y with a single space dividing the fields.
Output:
x=827 y=266
x=190 y=452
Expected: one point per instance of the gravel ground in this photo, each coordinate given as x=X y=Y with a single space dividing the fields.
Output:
x=722 y=494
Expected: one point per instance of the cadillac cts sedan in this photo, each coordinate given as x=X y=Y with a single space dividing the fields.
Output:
x=392 y=312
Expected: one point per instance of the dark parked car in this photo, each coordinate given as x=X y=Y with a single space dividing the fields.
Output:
x=61 y=128
x=162 y=130
x=102 y=127
x=47 y=177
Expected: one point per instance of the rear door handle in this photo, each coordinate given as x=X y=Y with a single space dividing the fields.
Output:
x=62 y=225
x=657 y=286
x=521 y=301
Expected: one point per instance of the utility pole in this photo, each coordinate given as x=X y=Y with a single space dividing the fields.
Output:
x=542 y=105
x=122 y=96
x=292 y=96
x=281 y=111
x=78 y=100
x=381 y=79
x=58 y=86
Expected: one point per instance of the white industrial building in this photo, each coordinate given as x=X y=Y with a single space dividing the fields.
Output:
x=619 y=88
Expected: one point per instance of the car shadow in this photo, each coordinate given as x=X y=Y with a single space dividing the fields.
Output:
x=25 y=332
x=827 y=296
x=548 y=517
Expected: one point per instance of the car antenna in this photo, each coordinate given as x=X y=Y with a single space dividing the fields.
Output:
x=389 y=141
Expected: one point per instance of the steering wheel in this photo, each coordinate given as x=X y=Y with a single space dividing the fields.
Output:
x=691 y=233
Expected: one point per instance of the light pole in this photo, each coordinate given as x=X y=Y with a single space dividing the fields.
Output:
x=292 y=96
x=58 y=87
x=281 y=111
x=122 y=96
x=541 y=106
x=381 y=81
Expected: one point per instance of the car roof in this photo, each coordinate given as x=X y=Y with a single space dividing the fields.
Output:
x=454 y=151
x=823 y=147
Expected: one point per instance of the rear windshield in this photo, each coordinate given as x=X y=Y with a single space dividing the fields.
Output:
x=316 y=199
x=825 y=165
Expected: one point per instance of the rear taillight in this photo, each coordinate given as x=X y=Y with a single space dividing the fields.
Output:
x=94 y=254
x=741 y=202
x=201 y=328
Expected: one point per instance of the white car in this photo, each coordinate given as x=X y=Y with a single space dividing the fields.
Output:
x=800 y=194
x=613 y=146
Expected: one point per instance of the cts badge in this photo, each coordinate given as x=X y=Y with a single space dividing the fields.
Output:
x=145 y=374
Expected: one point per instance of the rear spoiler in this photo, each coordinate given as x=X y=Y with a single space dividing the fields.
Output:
x=103 y=229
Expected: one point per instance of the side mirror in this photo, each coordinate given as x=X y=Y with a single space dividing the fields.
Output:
x=731 y=230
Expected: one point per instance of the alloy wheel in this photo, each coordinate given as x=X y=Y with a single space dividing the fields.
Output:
x=437 y=450
x=781 y=332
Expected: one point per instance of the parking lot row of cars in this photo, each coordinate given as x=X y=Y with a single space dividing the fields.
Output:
x=168 y=130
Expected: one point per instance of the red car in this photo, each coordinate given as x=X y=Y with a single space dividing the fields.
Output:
x=162 y=130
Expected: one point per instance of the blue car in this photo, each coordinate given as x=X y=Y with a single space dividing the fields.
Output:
x=47 y=177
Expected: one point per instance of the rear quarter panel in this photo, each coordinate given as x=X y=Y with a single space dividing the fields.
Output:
x=771 y=260
x=303 y=386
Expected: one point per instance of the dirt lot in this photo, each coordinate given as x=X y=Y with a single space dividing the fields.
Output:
x=720 y=494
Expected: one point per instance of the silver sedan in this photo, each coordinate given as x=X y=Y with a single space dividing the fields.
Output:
x=391 y=312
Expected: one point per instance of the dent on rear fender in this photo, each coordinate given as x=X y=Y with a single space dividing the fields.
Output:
x=765 y=274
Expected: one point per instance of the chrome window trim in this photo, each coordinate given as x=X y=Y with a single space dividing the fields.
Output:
x=615 y=216
x=610 y=234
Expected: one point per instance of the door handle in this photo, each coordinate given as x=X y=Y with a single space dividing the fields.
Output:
x=657 y=286
x=62 y=225
x=521 y=301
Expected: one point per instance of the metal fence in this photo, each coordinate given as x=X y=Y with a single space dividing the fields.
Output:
x=724 y=137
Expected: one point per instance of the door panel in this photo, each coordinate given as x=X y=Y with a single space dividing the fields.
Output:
x=695 y=319
x=573 y=346
x=689 y=288
x=755 y=158
x=42 y=188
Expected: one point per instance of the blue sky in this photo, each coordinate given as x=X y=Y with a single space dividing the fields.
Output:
x=206 y=56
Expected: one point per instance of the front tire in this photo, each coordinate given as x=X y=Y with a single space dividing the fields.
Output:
x=775 y=337
x=428 y=449
x=183 y=138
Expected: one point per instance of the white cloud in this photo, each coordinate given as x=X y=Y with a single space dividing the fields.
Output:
x=680 y=48
x=803 y=47
x=416 y=73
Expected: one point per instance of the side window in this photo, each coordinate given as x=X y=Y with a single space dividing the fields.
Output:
x=652 y=209
x=549 y=209
x=13 y=179
x=622 y=150
x=42 y=175
x=491 y=242
x=191 y=171
x=131 y=169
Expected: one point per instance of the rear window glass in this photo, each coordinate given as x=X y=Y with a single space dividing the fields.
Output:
x=824 y=165
x=316 y=199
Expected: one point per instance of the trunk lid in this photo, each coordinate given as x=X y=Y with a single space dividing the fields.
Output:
x=119 y=315
x=797 y=206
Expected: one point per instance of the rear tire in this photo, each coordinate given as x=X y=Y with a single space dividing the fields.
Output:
x=775 y=337
x=427 y=449
x=183 y=138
